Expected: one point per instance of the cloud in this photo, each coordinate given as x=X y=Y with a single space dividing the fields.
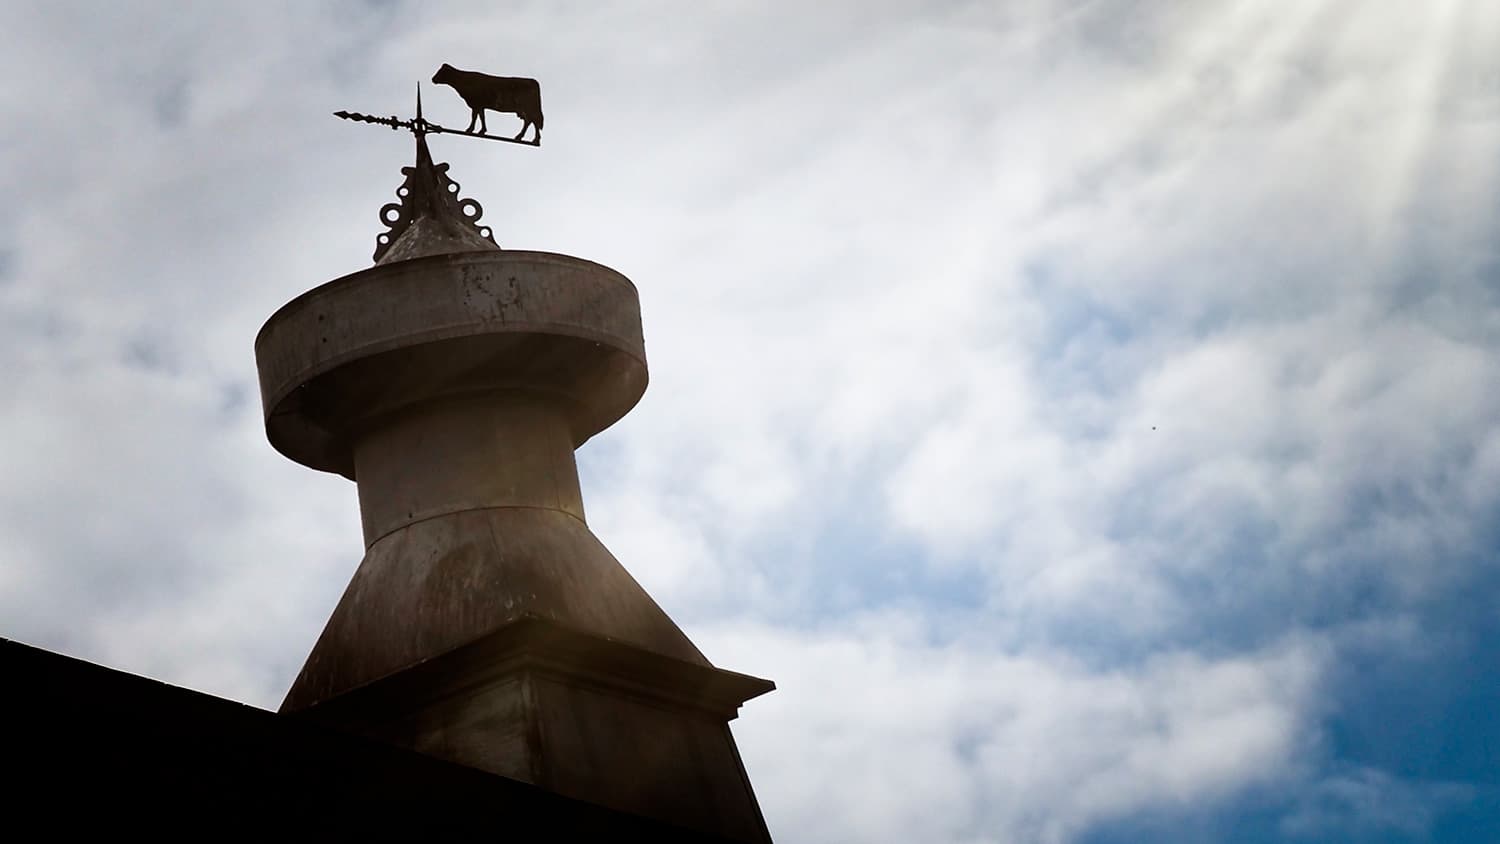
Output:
x=1368 y=802
x=1046 y=395
x=959 y=741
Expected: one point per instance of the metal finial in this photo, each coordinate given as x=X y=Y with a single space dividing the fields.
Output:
x=430 y=217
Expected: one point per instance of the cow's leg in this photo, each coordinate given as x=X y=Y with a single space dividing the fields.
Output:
x=473 y=118
x=526 y=124
x=483 y=129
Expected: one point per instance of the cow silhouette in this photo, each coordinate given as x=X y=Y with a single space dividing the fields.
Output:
x=506 y=94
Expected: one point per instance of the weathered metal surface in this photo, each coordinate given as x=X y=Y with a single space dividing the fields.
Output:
x=390 y=336
x=454 y=389
x=466 y=453
x=580 y=715
x=442 y=582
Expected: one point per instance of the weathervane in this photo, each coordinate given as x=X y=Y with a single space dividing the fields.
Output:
x=480 y=91
x=431 y=218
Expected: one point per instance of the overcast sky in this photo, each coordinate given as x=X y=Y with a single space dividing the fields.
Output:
x=1088 y=413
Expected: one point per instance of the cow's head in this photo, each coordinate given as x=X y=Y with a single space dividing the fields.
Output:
x=443 y=74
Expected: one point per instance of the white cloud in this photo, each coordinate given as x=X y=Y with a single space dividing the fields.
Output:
x=1124 y=329
x=875 y=733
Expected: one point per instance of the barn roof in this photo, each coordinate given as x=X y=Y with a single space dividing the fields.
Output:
x=128 y=752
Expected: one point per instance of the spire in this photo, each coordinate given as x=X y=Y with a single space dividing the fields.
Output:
x=430 y=219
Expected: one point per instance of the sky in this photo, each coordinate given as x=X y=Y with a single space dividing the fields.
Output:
x=1086 y=412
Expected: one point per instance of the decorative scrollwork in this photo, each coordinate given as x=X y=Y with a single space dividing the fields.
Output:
x=429 y=192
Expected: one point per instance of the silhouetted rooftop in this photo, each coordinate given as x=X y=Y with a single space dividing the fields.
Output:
x=91 y=746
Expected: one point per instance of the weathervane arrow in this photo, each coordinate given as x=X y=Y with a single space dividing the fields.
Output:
x=419 y=126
